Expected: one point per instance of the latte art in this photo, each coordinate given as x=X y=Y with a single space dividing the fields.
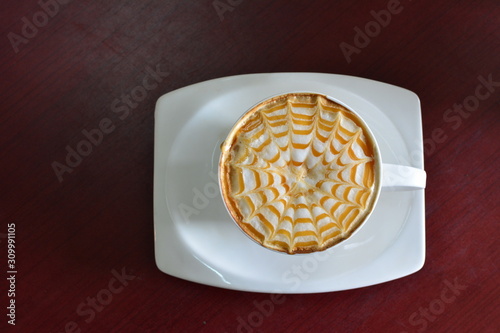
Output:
x=298 y=173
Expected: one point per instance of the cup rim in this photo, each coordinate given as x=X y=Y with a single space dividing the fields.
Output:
x=377 y=166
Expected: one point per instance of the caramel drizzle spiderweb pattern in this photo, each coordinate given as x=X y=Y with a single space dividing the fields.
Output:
x=302 y=174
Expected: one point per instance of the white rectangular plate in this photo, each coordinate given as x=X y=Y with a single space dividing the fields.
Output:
x=195 y=238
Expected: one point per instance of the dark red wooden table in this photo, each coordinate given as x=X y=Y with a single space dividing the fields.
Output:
x=83 y=227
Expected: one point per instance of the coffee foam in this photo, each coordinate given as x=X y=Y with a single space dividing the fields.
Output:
x=298 y=173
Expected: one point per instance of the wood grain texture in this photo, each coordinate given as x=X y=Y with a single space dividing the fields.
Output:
x=74 y=237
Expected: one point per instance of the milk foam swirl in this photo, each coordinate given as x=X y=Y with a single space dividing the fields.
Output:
x=299 y=173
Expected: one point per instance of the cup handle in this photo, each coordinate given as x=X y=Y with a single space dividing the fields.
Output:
x=402 y=178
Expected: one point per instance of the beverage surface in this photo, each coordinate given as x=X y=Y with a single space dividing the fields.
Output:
x=298 y=173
